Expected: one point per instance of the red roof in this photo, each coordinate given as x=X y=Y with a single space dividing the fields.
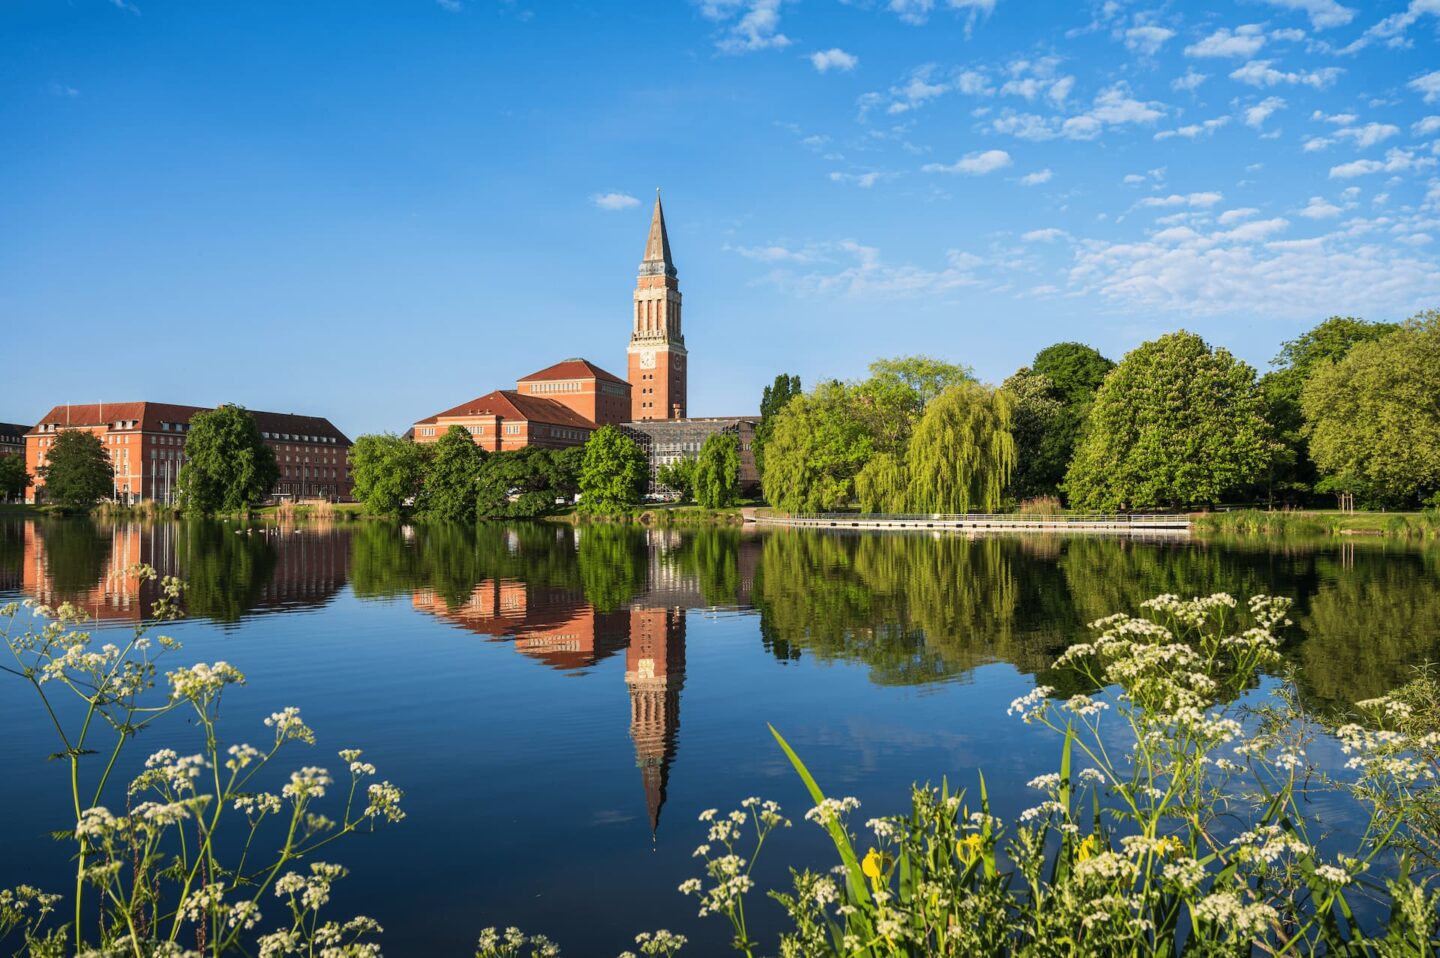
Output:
x=573 y=369
x=149 y=416
x=509 y=404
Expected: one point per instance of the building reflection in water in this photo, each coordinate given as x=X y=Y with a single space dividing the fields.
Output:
x=559 y=628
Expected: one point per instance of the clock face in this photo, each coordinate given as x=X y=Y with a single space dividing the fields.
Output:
x=647 y=359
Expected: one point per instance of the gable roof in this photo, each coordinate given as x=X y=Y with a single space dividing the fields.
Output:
x=509 y=404
x=572 y=369
x=150 y=415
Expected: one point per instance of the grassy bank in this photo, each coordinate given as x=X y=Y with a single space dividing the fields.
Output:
x=662 y=515
x=1320 y=522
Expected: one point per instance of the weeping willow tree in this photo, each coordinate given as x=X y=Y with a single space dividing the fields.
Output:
x=962 y=452
x=880 y=486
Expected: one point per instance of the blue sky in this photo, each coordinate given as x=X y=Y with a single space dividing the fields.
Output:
x=373 y=211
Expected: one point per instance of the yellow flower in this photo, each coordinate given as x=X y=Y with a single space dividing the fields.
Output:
x=1169 y=845
x=871 y=865
x=1089 y=847
x=968 y=847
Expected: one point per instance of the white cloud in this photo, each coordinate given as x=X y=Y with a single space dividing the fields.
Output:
x=1133 y=179
x=918 y=11
x=453 y=6
x=1319 y=208
x=1243 y=41
x=1036 y=178
x=1396 y=161
x=1369 y=134
x=924 y=84
x=867 y=273
x=862 y=180
x=1288 y=35
x=1339 y=119
x=1047 y=235
x=972 y=164
x=833 y=59
x=1194 y=200
x=774 y=254
x=1428 y=85
x=1113 y=106
x=614 y=201
x=1257 y=115
x=1147 y=40
x=1392 y=29
x=1194 y=130
x=757 y=26
x=1236 y=215
x=1425 y=126
x=1260 y=73
x=1190 y=81
x=1223 y=273
x=1317 y=143
x=1322 y=13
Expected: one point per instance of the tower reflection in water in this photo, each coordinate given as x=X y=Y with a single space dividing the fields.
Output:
x=558 y=627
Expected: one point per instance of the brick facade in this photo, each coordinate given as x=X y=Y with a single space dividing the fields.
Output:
x=506 y=419
x=656 y=357
x=601 y=397
x=146 y=445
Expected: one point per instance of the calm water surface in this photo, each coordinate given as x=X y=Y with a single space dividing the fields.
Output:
x=559 y=705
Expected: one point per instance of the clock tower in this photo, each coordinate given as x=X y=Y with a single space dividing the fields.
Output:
x=657 y=357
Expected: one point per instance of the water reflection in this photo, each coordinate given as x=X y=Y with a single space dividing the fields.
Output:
x=913 y=609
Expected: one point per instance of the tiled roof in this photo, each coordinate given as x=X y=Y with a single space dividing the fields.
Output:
x=13 y=430
x=573 y=369
x=509 y=404
x=150 y=415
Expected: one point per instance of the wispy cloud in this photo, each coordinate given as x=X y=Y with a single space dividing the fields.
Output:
x=972 y=164
x=1261 y=73
x=614 y=201
x=833 y=59
x=1322 y=13
x=1257 y=114
x=1320 y=208
x=1147 y=40
x=1193 y=200
x=1048 y=235
x=1428 y=85
x=1243 y=41
x=750 y=24
x=1396 y=161
x=1193 y=131
x=1036 y=178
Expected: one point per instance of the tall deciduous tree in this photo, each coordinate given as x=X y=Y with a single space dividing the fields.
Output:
x=13 y=477
x=1292 y=473
x=882 y=484
x=1074 y=369
x=818 y=445
x=1373 y=418
x=785 y=388
x=388 y=472
x=1176 y=423
x=614 y=474
x=895 y=396
x=451 y=477
x=1042 y=439
x=77 y=470
x=227 y=466
x=717 y=471
x=962 y=453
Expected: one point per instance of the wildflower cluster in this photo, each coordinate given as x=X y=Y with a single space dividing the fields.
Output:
x=154 y=870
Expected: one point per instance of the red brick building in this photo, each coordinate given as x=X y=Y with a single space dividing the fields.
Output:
x=146 y=443
x=601 y=397
x=507 y=420
x=657 y=357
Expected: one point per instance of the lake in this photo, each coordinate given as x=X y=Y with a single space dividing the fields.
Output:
x=559 y=704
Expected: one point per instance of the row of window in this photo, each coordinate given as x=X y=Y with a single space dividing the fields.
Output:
x=291 y=437
x=570 y=386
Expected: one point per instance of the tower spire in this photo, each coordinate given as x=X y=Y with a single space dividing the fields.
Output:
x=657 y=245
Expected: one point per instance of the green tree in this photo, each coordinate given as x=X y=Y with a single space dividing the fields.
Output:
x=785 y=388
x=614 y=473
x=389 y=471
x=717 y=471
x=897 y=393
x=678 y=476
x=962 y=453
x=228 y=467
x=13 y=477
x=522 y=483
x=77 y=470
x=881 y=485
x=1373 y=418
x=1176 y=423
x=1042 y=441
x=1292 y=473
x=818 y=445
x=451 y=477
x=1074 y=369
